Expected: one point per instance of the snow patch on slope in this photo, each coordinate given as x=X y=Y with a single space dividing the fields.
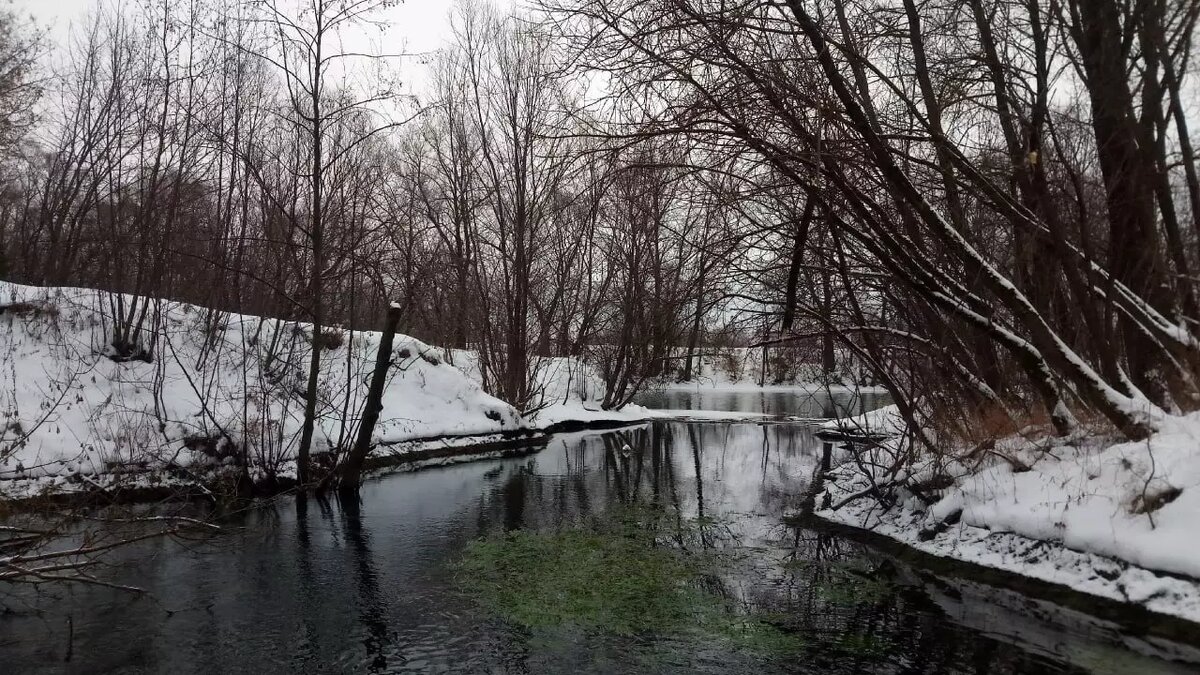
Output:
x=213 y=390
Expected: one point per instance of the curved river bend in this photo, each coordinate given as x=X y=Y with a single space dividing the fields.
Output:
x=322 y=587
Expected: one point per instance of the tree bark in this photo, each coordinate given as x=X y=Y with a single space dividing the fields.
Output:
x=351 y=470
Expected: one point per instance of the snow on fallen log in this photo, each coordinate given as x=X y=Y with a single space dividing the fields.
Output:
x=881 y=422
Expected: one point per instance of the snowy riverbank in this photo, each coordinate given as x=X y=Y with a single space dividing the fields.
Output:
x=1113 y=519
x=222 y=392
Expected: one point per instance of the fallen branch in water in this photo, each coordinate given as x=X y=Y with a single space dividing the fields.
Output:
x=35 y=565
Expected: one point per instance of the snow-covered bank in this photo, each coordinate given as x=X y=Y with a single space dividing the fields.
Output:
x=220 y=396
x=1112 y=519
x=563 y=391
x=218 y=390
x=570 y=393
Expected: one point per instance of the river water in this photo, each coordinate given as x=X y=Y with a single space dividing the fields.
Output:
x=327 y=587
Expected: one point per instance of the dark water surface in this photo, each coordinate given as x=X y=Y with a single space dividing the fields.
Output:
x=328 y=587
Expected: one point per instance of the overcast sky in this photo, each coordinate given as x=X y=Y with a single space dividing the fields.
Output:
x=421 y=23
x=416 y=26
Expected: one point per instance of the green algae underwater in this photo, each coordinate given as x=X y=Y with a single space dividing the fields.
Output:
x=643 y=571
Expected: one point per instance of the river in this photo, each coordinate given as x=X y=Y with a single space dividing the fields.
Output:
x=319 y=586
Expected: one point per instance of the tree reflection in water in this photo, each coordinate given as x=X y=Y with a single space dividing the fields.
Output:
x=365 y=586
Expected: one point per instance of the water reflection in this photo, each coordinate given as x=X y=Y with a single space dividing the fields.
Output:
x=365 y=586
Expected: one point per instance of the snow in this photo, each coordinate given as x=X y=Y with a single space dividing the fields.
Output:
x=724 y=416
x=72 y=418
x=560 y=413
x=1114 y=519
x=1093 y=501
x=569 y=390
x=564 y=390
x=885 y=421
x=741 y=369
x=744 y=386
x=69 y=412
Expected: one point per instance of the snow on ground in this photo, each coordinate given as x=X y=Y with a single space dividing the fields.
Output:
x=564 y=412
x=813 y=387
x=226 y=389
x=213 y=389
x=564 y=390
x=741 y=369
x=724 y=416
x=1117 y=520
x=569 y=390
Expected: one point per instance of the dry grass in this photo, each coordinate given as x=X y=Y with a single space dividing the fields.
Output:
x=331 y=338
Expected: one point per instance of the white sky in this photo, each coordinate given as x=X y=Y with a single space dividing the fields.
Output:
x=416 y=26
x=422 y=24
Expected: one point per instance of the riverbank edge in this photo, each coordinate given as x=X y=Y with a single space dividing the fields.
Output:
x=420 y=453
x=1133 y=618
x=945 y=550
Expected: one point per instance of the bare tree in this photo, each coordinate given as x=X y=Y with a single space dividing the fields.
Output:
x=306 y=55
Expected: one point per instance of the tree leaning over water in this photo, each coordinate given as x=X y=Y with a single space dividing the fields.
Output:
x=1014 y=177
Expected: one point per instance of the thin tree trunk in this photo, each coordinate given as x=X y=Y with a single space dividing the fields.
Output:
x=351 y=471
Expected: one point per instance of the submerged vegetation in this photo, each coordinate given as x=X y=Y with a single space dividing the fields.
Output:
x=642 y=572
x=587 y=578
